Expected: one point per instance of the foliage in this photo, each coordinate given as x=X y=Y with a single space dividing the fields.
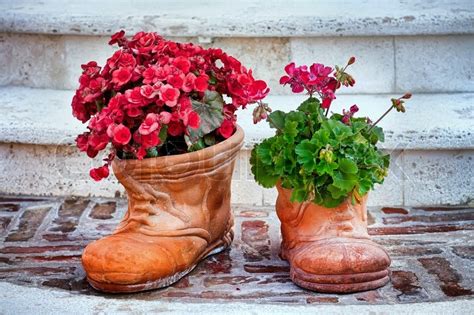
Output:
x=321 y=159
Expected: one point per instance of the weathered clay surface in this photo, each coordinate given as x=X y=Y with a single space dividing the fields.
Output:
x=178 y=214
x=328 y=249
x=432 y=259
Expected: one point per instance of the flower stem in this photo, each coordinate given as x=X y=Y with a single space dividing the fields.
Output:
x=381 y=117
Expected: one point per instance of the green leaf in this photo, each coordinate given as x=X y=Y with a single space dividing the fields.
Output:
x=377 y=135
x=311 y=105
x=291 y=129
x=306 y=153
x=263 y=151
x=198 y=145
x=331 y=202
x=348 y=166
x=358 y=138
x=343 y=182
x=277 y=120
x=152 y=152
x=210 y=111
x=298 y=195
x=339 y=130
x=209 y=139
x=364 y=186
x=262 y=175
x=163 y=134
x=324 y=167
x=320 y=138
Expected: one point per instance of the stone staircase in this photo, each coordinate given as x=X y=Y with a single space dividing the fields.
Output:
x=425 y=48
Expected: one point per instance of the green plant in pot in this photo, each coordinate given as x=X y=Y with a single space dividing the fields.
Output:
x=323 y=166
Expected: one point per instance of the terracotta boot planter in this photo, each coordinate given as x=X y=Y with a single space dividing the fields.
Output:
x=329 y=249
x=178 y=214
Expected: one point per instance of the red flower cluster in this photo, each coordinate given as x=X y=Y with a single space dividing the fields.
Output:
x=317 y=79
x=144 y=94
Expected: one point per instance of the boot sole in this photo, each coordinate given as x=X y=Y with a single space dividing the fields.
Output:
x=347 y=283
x=213 y=249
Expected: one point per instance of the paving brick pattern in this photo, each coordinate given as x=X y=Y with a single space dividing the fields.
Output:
x=432 y=251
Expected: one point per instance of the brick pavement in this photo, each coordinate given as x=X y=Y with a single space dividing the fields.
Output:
x=431 y=247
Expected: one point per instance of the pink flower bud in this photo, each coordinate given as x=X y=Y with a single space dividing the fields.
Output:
x=354 y=109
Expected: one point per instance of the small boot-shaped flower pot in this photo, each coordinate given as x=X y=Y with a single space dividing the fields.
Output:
x=328 y=249
x=178 y=214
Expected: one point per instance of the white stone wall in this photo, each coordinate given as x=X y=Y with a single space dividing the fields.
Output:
x=427 y=64
x=400 y=46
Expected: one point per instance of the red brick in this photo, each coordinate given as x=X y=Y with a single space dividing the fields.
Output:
x=447 y=275
x=389 y=210
x=413 y=251
x=368 y=296
x=322 y=299
x=30 y=220
x=408 y=284
x=451 y=217
x=229 y=280
x=103 y=211
x=182 y=284
x=256 y=240
x=216 y=264
x=275 y=278
x=466 y=252
x=252 y=214
x=266 y=268
x=5 y=260
x=9 y=207
x=4 y=222
x=59 y=258
x=444 y=208
x=68 y=215
x=37 y=270
x=39 y=249
x=15 y=199
x=67 y=284
x=418 y=229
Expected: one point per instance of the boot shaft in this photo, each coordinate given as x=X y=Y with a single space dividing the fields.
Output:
x=308 y=221
x=182 y=191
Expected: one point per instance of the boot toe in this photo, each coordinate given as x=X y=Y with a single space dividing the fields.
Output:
x=126 y=261
x=341 y=256
x=340 y=265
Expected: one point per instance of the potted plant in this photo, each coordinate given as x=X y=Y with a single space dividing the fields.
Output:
x=323 y=166
x=158 y=107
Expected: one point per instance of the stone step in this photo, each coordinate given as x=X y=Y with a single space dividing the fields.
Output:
x=399 y=45
x=385 y=64
x=432 y=148
x=245 y=18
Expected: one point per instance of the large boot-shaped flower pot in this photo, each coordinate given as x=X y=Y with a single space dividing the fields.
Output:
x=178 y=214
x=329 y=249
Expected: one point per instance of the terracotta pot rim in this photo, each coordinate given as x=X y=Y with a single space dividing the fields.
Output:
x=232 y=141
x=288 y=191
x=176 y=166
